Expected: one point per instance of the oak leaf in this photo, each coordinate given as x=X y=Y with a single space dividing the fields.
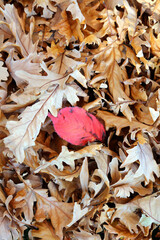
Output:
x=45 y=231
x=60 y=213
x=69 y=157
x=118 y=122
x=149 y=205
x=148 y=166
x=17 y=27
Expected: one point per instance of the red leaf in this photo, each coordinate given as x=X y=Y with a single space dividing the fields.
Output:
x=77 y=126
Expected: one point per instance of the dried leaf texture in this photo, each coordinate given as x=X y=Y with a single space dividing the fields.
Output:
x=23 y=133
x=90 y=170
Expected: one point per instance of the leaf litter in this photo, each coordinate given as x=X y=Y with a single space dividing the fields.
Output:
x=102 y=58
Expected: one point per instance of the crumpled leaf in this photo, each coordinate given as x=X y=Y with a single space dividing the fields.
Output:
x=148 y=166
x=75 y=11
x=127 y=216
x=149 y=205
x=24 y=64
x=69 y=157
x=60 y=213
x=44 y=231
x=118 y=122
x=9 y=229
x=78 y=213
x=17 y=27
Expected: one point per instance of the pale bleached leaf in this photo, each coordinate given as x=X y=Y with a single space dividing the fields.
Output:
x=148 y=166
x=17 y=27
x=84 y=176
x=78 y=213
x=4 y=73
x=128 y=217
x=69 y=157
x=150 y=206
x=23 y=133
x=24 y=64
x=75 y=11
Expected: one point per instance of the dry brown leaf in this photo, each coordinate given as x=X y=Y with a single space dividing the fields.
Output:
x=28 y=127
x=101 y=56
x=3 y=84
x=9 y=229
x=17 y=27
x=60 y=213
x=148 y=166
x=44 y=231
x=121 y=122
x=24 y=64
x=149 y=205
x=69 y=157
x=82 y=235
x=128 y=217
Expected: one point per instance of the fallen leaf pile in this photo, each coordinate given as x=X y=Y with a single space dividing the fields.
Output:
x=101 y=56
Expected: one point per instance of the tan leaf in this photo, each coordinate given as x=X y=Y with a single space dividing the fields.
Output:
x=149 y=205
x=17 y=27
x=78 y=213
x=3 y=85
x=28 y=127
x=131 y=19
x=4 y=72
x=155 y=41
x=24 y=64
x=148 y=166
x=44 y=231
x=84 y=176
x=46 y=5
x=60 y=213
x=69 y=157
x=9 y=229
x=75 y=11
x=24 y=201
x=83 y=235
x=120 y=122
x=127 y=216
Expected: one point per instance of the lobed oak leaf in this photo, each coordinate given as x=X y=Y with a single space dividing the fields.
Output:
x=68 y=27
x=60 y=213
x=121 y=231
x=112 y=120
x=108 y=20
x=78 y=213
x=9 y=229
x=83 y=235
x=124 y=183
x=46 y=6
x=75 y=11
x=24 y=64
x=127 y=216
x=23 y=202
x=23 y=133
x=44 y=231
x=17 y=27
x=69 y=157
x=149 y=205
x=148 y=166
